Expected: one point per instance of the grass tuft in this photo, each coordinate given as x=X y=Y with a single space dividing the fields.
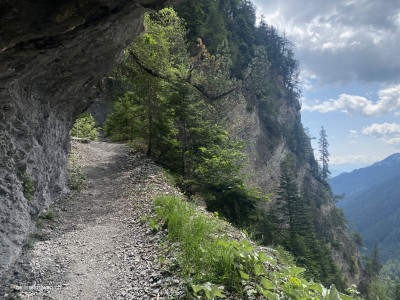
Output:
x=50 y=215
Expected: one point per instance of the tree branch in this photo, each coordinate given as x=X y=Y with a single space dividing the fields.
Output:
x=199 y=88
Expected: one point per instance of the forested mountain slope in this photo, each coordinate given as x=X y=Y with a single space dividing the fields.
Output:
x=372 y=204
x=265 y=112
x=209 y=104
x=182 y=96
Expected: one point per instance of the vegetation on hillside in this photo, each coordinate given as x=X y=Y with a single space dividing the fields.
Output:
x=172 y=105
x=216 y=266
x=371 y=205
x=176 y=84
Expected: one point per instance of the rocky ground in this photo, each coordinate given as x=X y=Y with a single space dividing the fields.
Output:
x=99 y=245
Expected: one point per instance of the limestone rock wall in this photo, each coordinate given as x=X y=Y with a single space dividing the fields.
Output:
x=52 y=56
x=264 y=157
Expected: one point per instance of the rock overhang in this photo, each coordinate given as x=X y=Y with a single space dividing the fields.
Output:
x=52 y=56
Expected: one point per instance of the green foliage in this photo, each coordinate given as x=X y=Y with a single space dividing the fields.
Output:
x=357 y=238
x=210 y=290
x=164 y=110
x=27 y=185
x=123 y=119
x=218 y=266
x=290 y=224
x=75 y=178
x=222 y=183
x=162 y=47
x=396 y=294
x=218 y=21
x=85 y=127
x=49 y=215
x=390 y=278
x=172 y=105
x=338 y=218
x=324 y=159
x=376 y=290
x=373 y=264
x=144 y=111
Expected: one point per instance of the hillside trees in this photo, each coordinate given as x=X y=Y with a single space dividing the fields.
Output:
x=291 y=224
x=172 y=103
x=281 y=55
x=181 y=101
x=217 y=21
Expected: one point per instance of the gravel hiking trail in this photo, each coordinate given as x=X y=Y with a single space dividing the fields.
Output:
x=99 y=245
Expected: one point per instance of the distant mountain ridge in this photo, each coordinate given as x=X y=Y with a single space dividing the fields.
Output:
x=372 y=203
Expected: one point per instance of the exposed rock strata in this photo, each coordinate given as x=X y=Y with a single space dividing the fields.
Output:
x=264 y=157
x=52 y=55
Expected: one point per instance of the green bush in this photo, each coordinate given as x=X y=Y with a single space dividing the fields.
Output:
x=221 y=182
x=27 y=185
x=85 y=127
x=50 y=215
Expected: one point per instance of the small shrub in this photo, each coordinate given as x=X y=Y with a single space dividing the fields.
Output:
x=153 y=223
x=28 y=244
x=38 y=236
x=50 y=215
x=27 y=185
x=75 y=179
x=39 y=223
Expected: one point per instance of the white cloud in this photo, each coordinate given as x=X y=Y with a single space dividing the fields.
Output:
x=353 y=134
x=353 y=159
x=389 y=101
x=386 y=132
x=341 y=41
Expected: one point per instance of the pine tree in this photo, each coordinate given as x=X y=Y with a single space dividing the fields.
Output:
x=291 y=205
x=85 y=127
x=373 y=264
x=323 y=149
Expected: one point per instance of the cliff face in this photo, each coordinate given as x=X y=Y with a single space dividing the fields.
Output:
x=266 y=152
x=52 y=56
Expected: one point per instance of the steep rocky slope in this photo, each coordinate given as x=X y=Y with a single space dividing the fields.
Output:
x=52 y=55
x=265 y=153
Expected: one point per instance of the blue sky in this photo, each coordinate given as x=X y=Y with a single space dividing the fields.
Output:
x=349 y=53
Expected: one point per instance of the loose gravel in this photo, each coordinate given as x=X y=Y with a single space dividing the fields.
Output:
x=99 y=246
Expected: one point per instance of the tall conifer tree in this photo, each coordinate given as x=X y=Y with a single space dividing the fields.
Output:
x=323 y=149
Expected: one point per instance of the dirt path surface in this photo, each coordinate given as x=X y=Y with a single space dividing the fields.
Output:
x=98 y=246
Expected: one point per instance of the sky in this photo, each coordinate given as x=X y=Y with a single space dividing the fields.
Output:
x=349 y=54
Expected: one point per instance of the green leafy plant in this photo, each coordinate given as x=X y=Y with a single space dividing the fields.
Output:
x=153 y=223
x=27 y=185
x=210 y=290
